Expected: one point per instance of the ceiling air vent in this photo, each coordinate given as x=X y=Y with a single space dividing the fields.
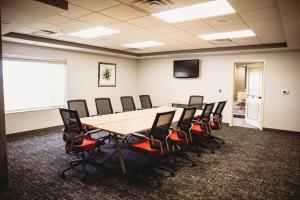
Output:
x=47 y=33
x=153 y=2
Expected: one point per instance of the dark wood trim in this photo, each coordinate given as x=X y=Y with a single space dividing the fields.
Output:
x=63 y=4
x=37 y=131
x=218 y=49
x=285 y=131
x=65 y=43
x=3 y=147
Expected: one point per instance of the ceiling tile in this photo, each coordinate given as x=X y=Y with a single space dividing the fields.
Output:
x=122 y=26
x=95 y=5
x=224 y=20
x=75 y=11
x=153 y=8
x=232 y=27
x=56 y=19
x=39 y=25
x=244 y=5
x=268 y=31
x=195 y=27
x=260 y=14
x=97 y=19
x=122 y=12
x=146 y=22
x=189 y=2
x=26 y=30
x=247 y=41
x=77 y=25
x=60 y=29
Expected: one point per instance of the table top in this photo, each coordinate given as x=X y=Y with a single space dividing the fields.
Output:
x=126 y=123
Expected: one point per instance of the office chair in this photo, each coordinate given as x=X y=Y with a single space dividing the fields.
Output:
x=216 y=121
x=103 y=106
x=127 y=103
x=181 y=136
x=146 y=102
x=77 y=139
x=157 y=144
x=201 y=129
x=196 y=101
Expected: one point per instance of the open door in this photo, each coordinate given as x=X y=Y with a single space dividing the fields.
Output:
x=254 y=94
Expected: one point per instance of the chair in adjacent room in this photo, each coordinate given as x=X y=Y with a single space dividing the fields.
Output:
x=157 y=144
x=216 y=120
x=181 y=136
x=146 y=102
x=103 y=106
x=196 y=101
x=77 y=139
x=201 y=129
x=127 y=103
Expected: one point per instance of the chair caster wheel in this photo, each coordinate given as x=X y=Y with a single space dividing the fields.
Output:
x=62 y=175
x=198 y=155
x=212 y=152
x=172 y=173
x=218 y=146
x=194 y=164
x=223 y=142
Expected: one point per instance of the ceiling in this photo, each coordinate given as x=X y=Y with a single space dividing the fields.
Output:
x=136 y=24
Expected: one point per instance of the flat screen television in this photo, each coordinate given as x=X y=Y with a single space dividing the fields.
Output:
x=186 y=68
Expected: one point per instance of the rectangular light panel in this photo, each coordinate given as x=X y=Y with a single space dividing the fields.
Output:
x=197 y=11
x=94 y=32
x=143 y=44
x=228 y=35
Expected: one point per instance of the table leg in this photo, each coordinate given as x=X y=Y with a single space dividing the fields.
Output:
x=122 y=163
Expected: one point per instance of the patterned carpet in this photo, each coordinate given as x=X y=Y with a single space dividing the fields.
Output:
x=251 y=165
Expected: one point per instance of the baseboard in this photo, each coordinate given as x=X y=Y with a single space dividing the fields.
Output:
x=42 y=130
x=286 y=131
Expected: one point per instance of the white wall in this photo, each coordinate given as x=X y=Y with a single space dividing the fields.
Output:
x=155 y=77
x=82 y=69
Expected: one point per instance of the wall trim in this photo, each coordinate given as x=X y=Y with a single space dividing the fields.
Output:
x=281 y=130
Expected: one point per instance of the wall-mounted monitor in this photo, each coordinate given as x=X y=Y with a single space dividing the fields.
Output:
x=186 y=68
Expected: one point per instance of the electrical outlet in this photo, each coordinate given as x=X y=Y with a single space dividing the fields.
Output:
x=284 y=92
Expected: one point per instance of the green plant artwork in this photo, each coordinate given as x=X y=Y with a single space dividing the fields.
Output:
x=106 y=74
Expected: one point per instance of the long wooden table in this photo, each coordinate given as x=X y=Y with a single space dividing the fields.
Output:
x=126 y=123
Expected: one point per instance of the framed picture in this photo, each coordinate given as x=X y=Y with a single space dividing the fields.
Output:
x=107 y=75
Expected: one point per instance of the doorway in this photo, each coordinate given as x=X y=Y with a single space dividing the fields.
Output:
x=247 y=102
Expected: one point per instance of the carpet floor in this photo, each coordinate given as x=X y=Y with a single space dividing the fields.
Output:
x=252 y=165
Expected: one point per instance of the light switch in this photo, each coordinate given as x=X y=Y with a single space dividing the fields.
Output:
x=220 y=90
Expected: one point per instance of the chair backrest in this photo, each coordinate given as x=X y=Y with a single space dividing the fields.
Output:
x=218 y=111
x=160 y=127
x=79 y=105
x=206 y=113
x=127 y=103
x=72 y=124
x=196 y=101
x=145 y=101
x=185 y=121
x=103 y=106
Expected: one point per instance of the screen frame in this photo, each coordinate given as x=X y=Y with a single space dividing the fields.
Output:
x=195 y=76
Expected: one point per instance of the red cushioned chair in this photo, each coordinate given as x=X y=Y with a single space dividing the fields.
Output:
x=181 y=136
x=216 y=120
x=201 y=130
x=157 y=144
x=77 y=140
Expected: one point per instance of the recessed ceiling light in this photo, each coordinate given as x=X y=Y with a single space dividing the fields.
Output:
x=228 y=35
x=94 y=32
x=143 y=44
x=197 y=11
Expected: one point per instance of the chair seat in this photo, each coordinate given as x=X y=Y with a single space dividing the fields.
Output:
x=144 y=146
x=89 y=143
x=197 y=130
x=178 y=140
x=214 y=125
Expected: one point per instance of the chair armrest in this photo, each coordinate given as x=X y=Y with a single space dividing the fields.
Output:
x=139 y=109
x=155 y=106
x=140 y=135
x=95 y=115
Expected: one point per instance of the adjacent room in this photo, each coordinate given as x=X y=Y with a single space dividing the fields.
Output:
x=150 y=99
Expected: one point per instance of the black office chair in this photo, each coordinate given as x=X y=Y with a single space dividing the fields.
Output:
x=145 y=101
x=181 y=136
x=77 y=139
x=80 y=105
x=127 y=103
x=157 y=144
x=201 y=128
x=216 y=121
x=103 y=106
x=196 y=101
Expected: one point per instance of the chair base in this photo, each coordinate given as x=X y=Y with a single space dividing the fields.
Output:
x=178 y=152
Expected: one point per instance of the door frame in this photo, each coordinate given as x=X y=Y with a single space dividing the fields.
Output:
x=263 y=89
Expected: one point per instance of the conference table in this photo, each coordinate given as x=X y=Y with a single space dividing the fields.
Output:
x=126 y=123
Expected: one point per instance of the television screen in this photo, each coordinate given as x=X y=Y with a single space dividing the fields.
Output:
x=186 y=68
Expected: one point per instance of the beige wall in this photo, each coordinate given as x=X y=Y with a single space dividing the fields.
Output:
x=216 y=72
x=82 y=69
x=240 y=76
